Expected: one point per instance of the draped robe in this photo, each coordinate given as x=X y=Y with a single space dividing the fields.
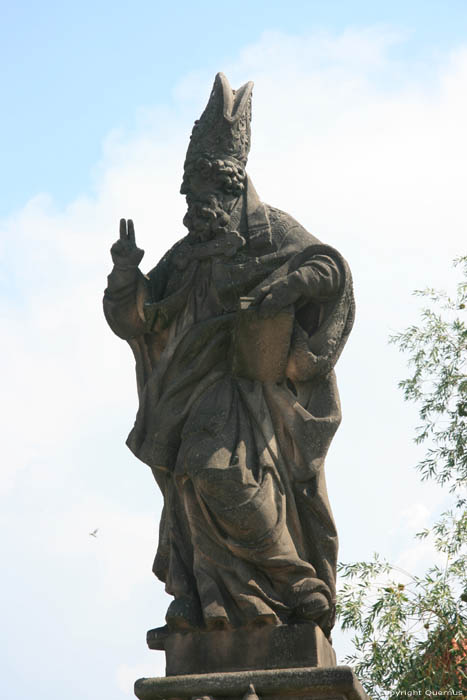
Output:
x=246 y=532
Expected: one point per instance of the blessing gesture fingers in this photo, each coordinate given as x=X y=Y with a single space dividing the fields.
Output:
x=125 y=253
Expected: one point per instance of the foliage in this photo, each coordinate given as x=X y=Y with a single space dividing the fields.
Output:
x=410 y=632
x=437 y=354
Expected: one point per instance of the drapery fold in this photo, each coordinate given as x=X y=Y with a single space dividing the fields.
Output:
x=247 y=530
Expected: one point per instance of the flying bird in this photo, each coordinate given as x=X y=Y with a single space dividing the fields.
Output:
x=94 y=532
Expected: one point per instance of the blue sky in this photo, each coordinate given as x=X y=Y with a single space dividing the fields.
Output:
x=359 y=114
x=71 y=71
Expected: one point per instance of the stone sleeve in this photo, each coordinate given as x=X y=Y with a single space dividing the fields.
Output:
x=124 y=298
x=319 y=279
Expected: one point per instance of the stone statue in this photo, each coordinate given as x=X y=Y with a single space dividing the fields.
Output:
x=235 y=333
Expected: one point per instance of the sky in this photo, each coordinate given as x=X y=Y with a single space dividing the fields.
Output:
x=359 y=113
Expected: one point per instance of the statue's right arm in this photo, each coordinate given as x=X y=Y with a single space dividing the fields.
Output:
x=127 y=287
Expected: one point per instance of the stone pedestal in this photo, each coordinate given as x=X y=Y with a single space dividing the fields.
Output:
x=338 y=683
x=267 y=663
x=266 y=647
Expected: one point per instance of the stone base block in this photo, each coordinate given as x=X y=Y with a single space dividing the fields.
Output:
x=268 y=647
x=337 y=683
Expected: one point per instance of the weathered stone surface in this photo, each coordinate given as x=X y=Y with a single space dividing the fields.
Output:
x=261 y=344
x=338 y=683
x=236 y=333
x=284 y=646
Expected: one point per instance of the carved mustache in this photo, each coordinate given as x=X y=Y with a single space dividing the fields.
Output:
x=206 y=216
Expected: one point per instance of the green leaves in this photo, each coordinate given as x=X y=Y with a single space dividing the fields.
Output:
x=437 y=352
x=411 y=631
x=404 y=631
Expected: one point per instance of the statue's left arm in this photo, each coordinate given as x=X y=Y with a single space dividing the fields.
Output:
x=318 y=279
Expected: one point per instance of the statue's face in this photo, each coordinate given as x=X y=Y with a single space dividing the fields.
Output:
x=221 y=177
x=211 y=187
x=199 y=185
x=206 y=216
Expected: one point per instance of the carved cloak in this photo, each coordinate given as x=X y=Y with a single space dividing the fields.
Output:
x=246 y=525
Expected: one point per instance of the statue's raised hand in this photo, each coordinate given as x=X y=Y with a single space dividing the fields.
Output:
x=125 y=253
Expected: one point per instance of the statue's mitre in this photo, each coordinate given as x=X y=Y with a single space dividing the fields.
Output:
x=223 y=130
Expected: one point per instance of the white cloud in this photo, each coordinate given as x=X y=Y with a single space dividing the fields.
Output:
x=416 y=516
x=126 y=675
x=420 y=556
x=122 y=550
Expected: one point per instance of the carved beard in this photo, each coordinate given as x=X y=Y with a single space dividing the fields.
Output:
x=206 y=217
